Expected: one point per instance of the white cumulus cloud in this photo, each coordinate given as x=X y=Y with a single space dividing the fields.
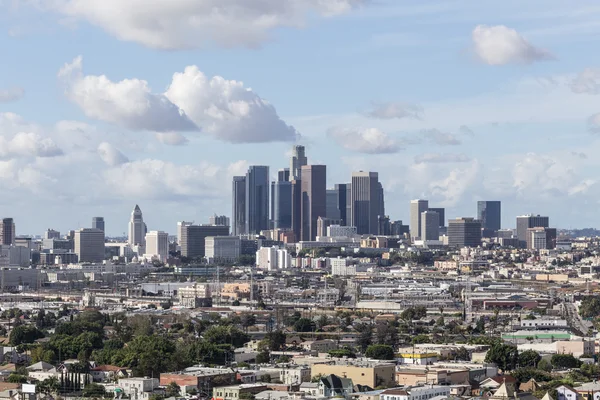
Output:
x=500 y=45
x=594 y=123
x=439 y=158
x=171 y=138
x=395 y=110
x=111 y=155
x=128 y=103
x=185 y=24
x=441 y=138
x=226 y=109
x=28 y=144
x=364 y=140
x=11 y=94
x=587 y=81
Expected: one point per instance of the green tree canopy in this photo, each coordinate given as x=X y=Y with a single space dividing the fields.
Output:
x=380 y=352
x=529 y=358
x=24 y=334
x=505 y=356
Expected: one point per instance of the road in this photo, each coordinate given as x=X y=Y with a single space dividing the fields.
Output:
x=575 y=320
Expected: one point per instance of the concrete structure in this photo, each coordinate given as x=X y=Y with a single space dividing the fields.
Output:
x=51 y=234
x=524 y=222
x=223 y=248
x=98 y=223
x=197 y=295
x=297 y=161
x=333 y=207
x=89 y=245
x=222 y=220
x=238 y=200
x=323 y=225
x=366 y=202
x=257 y=199
x=371 y=374
x=137 y=228
x=273 y=258
x=490 y=215
x=157 y=245
x=313 y=199
x=193 y=238
x=430 y=226
x=416 y=393
x=417 y=207
x=236 y=392
x=342 y=267
x=341 y=231
x=7 y=232
x=442 y=215
x=14 y=256
x=138 y=388
x=464 y=232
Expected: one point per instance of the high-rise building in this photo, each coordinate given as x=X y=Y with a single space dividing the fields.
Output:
x=257 y=199
x=193 y=238
x=238 y=214
x=180 y=225
x=489 y=213
x=380 y=199
x=137 y=228
x=442 y=215
x=541 y=238
x=333 y=206
x=297 y=209
x=283 y=175
x=323 y=225
x=281 y=203
x=98 y=223
x=218 y=220
x=464 y=232
x=89 y=245
x=384 y=225
x=524 y=222
x=430 y=225
x=297 y=161
x=313 y=199
x=51 y=234
x=366 y=202
x=343 y=201
x=417 y=207
x=157 y=245
x=7 y=232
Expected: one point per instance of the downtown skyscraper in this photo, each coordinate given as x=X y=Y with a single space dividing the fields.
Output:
x=281 y=200
x=137 y=228
x=417 y=207
x=257 y=199
x=489 y=213
x=297 y=161
x=238 y=212
x=313 y=196
x=367 y=202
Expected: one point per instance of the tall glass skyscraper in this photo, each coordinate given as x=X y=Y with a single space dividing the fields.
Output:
x=238 y=212
x=313 y=199
x=281 y=201
x=488 y=212
x=366 y=202
x=257 y=199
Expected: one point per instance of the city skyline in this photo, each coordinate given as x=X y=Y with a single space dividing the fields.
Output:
x=131 y=119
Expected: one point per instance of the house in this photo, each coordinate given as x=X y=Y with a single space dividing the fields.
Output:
x=42 y=370
x=565 y=392
x=138 y=388
x=234 y=392
x=311 y=389
x=494 y=383
x=426 y=392
x=320 y=346
x=108 y=373
x=333 y=386
x=362 y=372
x=6 y=370
x=10 y=391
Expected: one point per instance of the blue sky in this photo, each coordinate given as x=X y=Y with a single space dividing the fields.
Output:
x=454 y=101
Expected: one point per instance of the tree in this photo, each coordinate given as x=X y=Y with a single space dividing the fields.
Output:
x=339 y=353
x=248 y=320
x=24 y=334
x=304 y=325
x=94 y=390
x=364 y=339
x=226 y=335
x=263 y=357
x=275 y=340
x=564 y=361
x=16 y=378
x=525 y=374
x=380 y=352
x=462 y=354
x=544 y=365
x=529 y=358
x=173 y=389
x=590 y=307
x=505 y=356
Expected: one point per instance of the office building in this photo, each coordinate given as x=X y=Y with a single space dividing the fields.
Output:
x=281 y=201
x=541 y=238
x=7 y=232
x=313 y=199
x=366 y=202
x=193 y=237
x=218 y=220
x=58 y=244
x=323 y=225
x=417 y=207
x=464 y=232
x=180 y=225
x=273 y=258
x=157 y=245
x=430 y=226
x=525 y=222
x=441 y=214
x=343 y=197
x=384 y=225
x=297 y=161
x=223 y=248
x=238 y=213
x=380 y=199
x=489 y=213
x=98 y=223
x=297 y=209
x=89 y=245
x=51 y=234
x=137 y=228
x=333 y=206
x=399 y=229
x=257 y=199
x=341 y=231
